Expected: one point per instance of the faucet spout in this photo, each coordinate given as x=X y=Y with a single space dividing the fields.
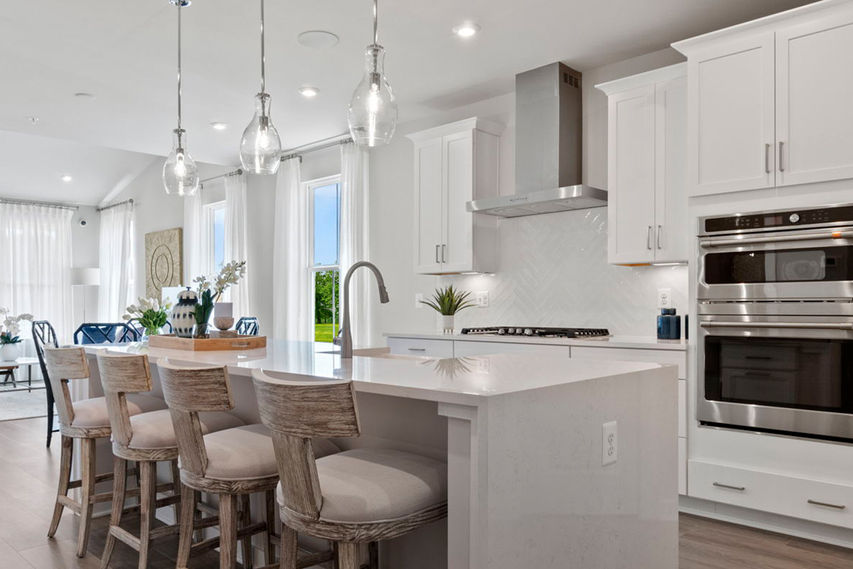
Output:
x=346 y=329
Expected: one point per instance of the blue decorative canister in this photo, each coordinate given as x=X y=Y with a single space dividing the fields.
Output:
x=669 y=325
x=183 y=315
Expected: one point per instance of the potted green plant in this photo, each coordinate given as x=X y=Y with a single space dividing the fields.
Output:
x=203 y=310
x=447 y=302
x=150 y=314
x=10 y=340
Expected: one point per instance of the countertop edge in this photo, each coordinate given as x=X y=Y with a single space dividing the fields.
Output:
x=630 y=342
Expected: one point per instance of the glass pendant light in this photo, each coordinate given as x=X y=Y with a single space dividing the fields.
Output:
x=260 y=148
x=372 y=114
x=180 y=173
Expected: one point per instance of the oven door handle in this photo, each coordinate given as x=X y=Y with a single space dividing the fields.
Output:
x=775 y=239
x=800 y=325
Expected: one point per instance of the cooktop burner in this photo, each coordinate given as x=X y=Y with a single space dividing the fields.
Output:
x=535 y=331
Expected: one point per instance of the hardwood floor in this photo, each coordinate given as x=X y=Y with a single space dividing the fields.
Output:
x=28 y=475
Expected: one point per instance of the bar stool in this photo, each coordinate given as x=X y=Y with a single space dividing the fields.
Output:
x=146 y=438
x=231 y=463
x=357 y=496
x=86 y=420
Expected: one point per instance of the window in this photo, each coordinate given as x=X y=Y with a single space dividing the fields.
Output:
x=325 y=203
x=215 y=235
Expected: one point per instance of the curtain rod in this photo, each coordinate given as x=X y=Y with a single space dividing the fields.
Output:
x=100 y=209
x=42 y=204
x=237 y=172
x=315 y=146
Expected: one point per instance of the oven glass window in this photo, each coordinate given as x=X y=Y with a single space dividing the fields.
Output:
x=789 y=265
x=795 y=373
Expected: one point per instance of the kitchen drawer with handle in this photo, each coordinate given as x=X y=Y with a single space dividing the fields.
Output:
x=462 y=348
x=421 y=347
x=675 y=357
x=814 y=500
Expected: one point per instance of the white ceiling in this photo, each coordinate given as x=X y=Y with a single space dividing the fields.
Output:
x=123 y=51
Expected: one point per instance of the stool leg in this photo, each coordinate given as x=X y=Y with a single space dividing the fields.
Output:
x=176 y=487
x=373 y=554
x=119 y=490
x=289 y=548
x=227 y=531
x=269 y=499
x=87 y=490
x=348 y=555
x=245 y=520
x=64 y=479
x=189 y=498
x=147 y=507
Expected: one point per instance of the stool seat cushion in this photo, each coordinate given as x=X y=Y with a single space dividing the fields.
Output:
x=246 y=453
x=374 y=484
x=93 y=412
x=154 y=430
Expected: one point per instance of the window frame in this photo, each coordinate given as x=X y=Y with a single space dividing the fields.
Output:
x=308 y=186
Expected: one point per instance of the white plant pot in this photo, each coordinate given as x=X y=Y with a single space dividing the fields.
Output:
x=10 y=352
x=447 y=324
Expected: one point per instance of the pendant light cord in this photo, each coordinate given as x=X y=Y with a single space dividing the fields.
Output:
x=179 y=69
x=375 y=22
x=263 y=53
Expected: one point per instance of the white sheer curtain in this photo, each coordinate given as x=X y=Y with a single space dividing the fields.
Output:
x=235 y=241
x=292 y=302
x=196 y=243
x=35 y=263
x=117 y=262
x=355 y=241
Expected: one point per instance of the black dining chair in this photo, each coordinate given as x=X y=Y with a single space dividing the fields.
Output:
x=105 y=333
x=247 y=326
x=140 y=330
x=45 y=335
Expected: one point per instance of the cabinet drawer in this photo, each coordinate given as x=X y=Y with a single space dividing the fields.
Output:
x=421 y=347
x=675 y=357
x=682 y=466
x=823 y=502
x=462 y=348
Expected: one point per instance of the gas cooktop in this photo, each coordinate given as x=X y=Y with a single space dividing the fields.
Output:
x=538 y=331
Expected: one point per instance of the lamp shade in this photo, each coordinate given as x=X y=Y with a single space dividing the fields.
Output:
x=86 y=276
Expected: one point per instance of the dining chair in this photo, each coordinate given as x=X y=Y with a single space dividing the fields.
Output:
x=105 y=333
x=45 y=336
x=247 y=326
x=354 y=497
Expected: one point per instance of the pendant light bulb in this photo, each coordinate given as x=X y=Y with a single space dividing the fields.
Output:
x=372 y=114
x=260 y=147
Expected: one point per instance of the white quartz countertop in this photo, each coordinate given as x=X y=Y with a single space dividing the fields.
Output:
x=468 y=380
x=635 y=342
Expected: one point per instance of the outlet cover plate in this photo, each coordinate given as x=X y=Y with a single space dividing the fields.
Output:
x=664 y=298
x=481 y=298
x=609 y=443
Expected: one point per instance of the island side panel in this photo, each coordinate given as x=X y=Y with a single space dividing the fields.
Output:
x=551 y=503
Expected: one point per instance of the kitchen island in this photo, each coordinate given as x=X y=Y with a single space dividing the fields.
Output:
x=523 y=437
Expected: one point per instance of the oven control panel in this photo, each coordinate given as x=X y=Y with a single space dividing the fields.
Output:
x=778 y=219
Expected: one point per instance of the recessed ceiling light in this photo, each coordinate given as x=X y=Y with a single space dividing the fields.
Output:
x=219 y=125
x=466 y=30
x=66 y=178
x=308 y=91
x=317 y=39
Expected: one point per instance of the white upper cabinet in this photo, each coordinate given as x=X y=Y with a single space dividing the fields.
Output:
x=454 y=164
x=769 y=101
x=647 y=200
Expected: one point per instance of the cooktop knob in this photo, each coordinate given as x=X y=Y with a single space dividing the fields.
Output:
x=794 y=217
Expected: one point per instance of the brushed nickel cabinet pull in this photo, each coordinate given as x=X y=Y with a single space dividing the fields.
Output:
x=728 y=487
x=417 y=349
x=767 y=158
x=660 y=230
x=436 y=255
x=827 y=505
x=781 y=153
x=443 y=253
x=649 y=238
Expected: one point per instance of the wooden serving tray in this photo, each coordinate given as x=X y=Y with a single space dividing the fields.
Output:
x=216 y=341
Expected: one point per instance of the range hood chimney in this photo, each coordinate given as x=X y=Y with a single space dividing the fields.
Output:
x=547 y=148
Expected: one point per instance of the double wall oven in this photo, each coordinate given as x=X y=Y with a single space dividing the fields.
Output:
x=775 y=320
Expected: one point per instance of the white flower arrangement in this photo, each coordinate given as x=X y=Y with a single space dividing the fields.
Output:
x=150 y=312
x=229 y=275
x=12 y=326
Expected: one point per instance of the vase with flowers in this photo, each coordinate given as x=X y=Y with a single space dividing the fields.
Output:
x=151 y=315
x=223 y=312
x=10 y=339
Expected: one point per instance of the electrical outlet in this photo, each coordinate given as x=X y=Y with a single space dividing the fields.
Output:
x=664 y=297
x=419 y=297
x=609 y=443
x=481 y=298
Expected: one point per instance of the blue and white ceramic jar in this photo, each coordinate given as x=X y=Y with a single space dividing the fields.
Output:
x=183 y=315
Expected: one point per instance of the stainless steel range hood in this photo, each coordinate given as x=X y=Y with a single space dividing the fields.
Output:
x=547 y=148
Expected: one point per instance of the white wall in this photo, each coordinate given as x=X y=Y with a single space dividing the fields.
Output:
x=84 y=254
x=553 y=268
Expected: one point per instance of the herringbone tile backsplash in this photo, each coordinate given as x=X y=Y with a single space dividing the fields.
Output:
x=553 y=272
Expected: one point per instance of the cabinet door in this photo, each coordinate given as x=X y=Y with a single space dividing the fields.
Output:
x=631 y=176
x=671 y=232
x=458 y=243
x=731 y=117
x=814 y=90
x=428 y=206
x=462 y=348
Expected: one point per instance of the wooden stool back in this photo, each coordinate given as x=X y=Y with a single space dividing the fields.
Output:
x=122 y=374
x=189 y=391
x=296 y=412
x=64 y=365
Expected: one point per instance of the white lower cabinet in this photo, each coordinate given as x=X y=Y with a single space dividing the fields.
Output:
x=421 y=347
x=462 y=348
x=682 y=466
x=674 y=357
x=824 y=502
